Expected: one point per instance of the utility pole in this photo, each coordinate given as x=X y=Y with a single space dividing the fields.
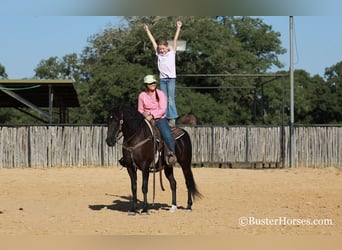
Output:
x=292 y=139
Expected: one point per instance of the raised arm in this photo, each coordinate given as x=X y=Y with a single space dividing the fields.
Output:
x=175 y=39
x=150 y=36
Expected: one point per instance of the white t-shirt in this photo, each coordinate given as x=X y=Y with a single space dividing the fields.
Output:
x=167 y=64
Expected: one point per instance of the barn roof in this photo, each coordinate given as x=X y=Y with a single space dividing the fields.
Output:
x=38 y=93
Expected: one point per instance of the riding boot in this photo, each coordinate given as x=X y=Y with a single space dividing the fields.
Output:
x=123 y=163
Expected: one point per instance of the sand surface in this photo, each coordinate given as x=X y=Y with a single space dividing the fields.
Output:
x=95 y=201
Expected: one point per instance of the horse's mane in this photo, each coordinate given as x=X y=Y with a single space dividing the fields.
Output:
x=131 y=115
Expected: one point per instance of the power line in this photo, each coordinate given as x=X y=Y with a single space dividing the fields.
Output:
x=218 y=87
x=233 y=75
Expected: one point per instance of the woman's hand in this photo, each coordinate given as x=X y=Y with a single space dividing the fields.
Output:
x=148 y=116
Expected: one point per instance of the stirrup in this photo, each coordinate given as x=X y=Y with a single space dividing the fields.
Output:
x=171 y=159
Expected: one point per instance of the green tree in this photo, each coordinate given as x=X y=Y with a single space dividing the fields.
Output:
x=333 y=75
x=109 y=74
x=3 y=74
x=116 y=60
x=111 y=67
x=55 y=68
x=311 y=95
x=315 y=101
x=68 y=67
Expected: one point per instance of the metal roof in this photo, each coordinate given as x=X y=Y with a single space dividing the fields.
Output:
x=38 y=93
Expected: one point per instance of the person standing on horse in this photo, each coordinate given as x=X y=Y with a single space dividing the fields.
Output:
x=167 y=70
x=152 y=104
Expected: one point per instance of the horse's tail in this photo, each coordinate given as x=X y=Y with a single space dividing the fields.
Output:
x=192 y=187
x=186 y=167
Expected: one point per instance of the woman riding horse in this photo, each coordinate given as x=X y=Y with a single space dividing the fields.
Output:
x=139 y=147
x=152 y=104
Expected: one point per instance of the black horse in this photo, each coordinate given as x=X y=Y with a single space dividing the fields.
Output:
x=139 y=152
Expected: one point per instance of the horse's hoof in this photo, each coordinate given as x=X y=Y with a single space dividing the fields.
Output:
x=188 y=209
x=131 y=213
x=144 y=212
x=173 y=208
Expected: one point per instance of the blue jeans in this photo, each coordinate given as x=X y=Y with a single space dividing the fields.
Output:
x=165 y=131
x=168 y=86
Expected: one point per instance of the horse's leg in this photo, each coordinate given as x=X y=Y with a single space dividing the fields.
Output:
x=133 y=176
x=184 y=155
x=145 y=175
x=189 y=205
x=173 y=185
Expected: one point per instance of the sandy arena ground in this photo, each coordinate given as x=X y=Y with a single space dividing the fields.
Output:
x=95 y=201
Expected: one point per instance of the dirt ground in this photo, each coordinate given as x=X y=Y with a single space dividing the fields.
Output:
x=95 y=201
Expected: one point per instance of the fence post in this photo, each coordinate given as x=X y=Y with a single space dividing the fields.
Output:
x=29 y=146
x=212 y=144
x=282 y=146
x=102 y=148
x=247 y=144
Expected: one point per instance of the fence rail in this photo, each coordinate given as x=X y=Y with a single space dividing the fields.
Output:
x=53 y=146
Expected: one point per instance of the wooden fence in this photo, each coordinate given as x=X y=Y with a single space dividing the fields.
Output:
x=53 y=146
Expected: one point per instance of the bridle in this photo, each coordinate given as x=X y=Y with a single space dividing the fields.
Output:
x=117 y=133
x=124 y=144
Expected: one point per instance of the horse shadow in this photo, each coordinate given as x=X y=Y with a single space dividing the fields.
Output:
x=124 y=203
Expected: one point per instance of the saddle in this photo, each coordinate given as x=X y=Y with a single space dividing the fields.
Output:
x=161 y=147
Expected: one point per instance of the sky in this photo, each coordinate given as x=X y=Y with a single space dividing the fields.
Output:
x=26 y=40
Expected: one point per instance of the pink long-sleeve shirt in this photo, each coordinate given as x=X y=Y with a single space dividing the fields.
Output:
x=150 y=104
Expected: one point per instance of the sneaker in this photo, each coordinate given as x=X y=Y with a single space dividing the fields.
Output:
x=172 y=123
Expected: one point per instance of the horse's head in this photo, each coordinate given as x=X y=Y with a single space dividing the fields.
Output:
x=188 y=119
x=114 y=121
x=123 y=119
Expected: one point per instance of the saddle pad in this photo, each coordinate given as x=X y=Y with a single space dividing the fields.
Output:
x=177 y=132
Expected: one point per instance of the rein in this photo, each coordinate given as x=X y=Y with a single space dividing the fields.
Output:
x=136 y=145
